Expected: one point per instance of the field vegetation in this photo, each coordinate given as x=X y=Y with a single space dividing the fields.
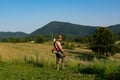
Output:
x=32 y=61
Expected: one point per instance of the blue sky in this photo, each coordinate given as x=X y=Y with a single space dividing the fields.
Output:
x=29 y=15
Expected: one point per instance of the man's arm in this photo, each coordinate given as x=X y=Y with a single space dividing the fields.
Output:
x=60 y=46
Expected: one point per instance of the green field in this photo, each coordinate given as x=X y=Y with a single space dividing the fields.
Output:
x=30 y=61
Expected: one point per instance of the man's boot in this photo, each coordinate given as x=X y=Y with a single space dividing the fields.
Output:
x=57 y=67
x=62 y=66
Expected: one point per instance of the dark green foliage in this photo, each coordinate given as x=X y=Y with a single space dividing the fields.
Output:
x=86 y=39
x=114 y=75
x=29 y=38
x=4 y=40
x=103 y=42
x=80 y=40
x=39 y=39
x=92 y=69
x=103 y=70
x=13 y=40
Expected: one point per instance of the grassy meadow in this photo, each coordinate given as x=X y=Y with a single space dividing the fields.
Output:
x=30 y=61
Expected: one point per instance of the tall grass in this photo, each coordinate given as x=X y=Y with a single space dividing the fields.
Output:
x=25 y=61
x=34 y=53
x=103 y=69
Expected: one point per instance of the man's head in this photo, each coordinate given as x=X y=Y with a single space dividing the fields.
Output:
x=59 y=37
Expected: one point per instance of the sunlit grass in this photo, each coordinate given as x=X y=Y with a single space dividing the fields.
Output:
x=26 y=51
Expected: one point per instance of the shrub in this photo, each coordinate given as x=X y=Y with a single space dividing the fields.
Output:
x=39 y=39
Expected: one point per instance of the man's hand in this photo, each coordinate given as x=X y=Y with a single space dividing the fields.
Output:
x=65 y=53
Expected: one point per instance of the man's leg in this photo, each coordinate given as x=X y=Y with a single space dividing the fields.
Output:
x=57 y=62
x=62 y=63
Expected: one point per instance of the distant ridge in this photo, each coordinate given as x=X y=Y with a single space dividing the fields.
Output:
x=57 y=27
x=12 y=34
x=115 y=28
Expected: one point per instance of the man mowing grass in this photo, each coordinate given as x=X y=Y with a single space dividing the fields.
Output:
x=60 y=52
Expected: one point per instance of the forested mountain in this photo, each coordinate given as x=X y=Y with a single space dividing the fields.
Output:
x=115 y=28
x=12 y=34
x=57 y=27
x=64 y=28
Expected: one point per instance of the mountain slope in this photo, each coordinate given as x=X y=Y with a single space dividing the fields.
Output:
x=12 y=34
x=56 y=27
x=115 y=28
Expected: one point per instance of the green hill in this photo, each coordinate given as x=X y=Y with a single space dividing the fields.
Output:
x=115 y=28
x=12 y=34
x=56 y=27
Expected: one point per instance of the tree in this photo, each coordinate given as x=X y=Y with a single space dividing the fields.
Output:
x=103 y=42
x=86 y=39
x=39 y=39
x=80 y=40
x=4 y=40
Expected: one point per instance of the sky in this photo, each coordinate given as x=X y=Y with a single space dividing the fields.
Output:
x=29 y=15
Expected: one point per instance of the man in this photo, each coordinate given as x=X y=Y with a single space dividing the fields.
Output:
x=60 y=52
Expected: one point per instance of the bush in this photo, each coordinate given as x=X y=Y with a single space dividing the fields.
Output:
x=39 y=39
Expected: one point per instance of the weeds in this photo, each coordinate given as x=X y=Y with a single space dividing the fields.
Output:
x=103 y=69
